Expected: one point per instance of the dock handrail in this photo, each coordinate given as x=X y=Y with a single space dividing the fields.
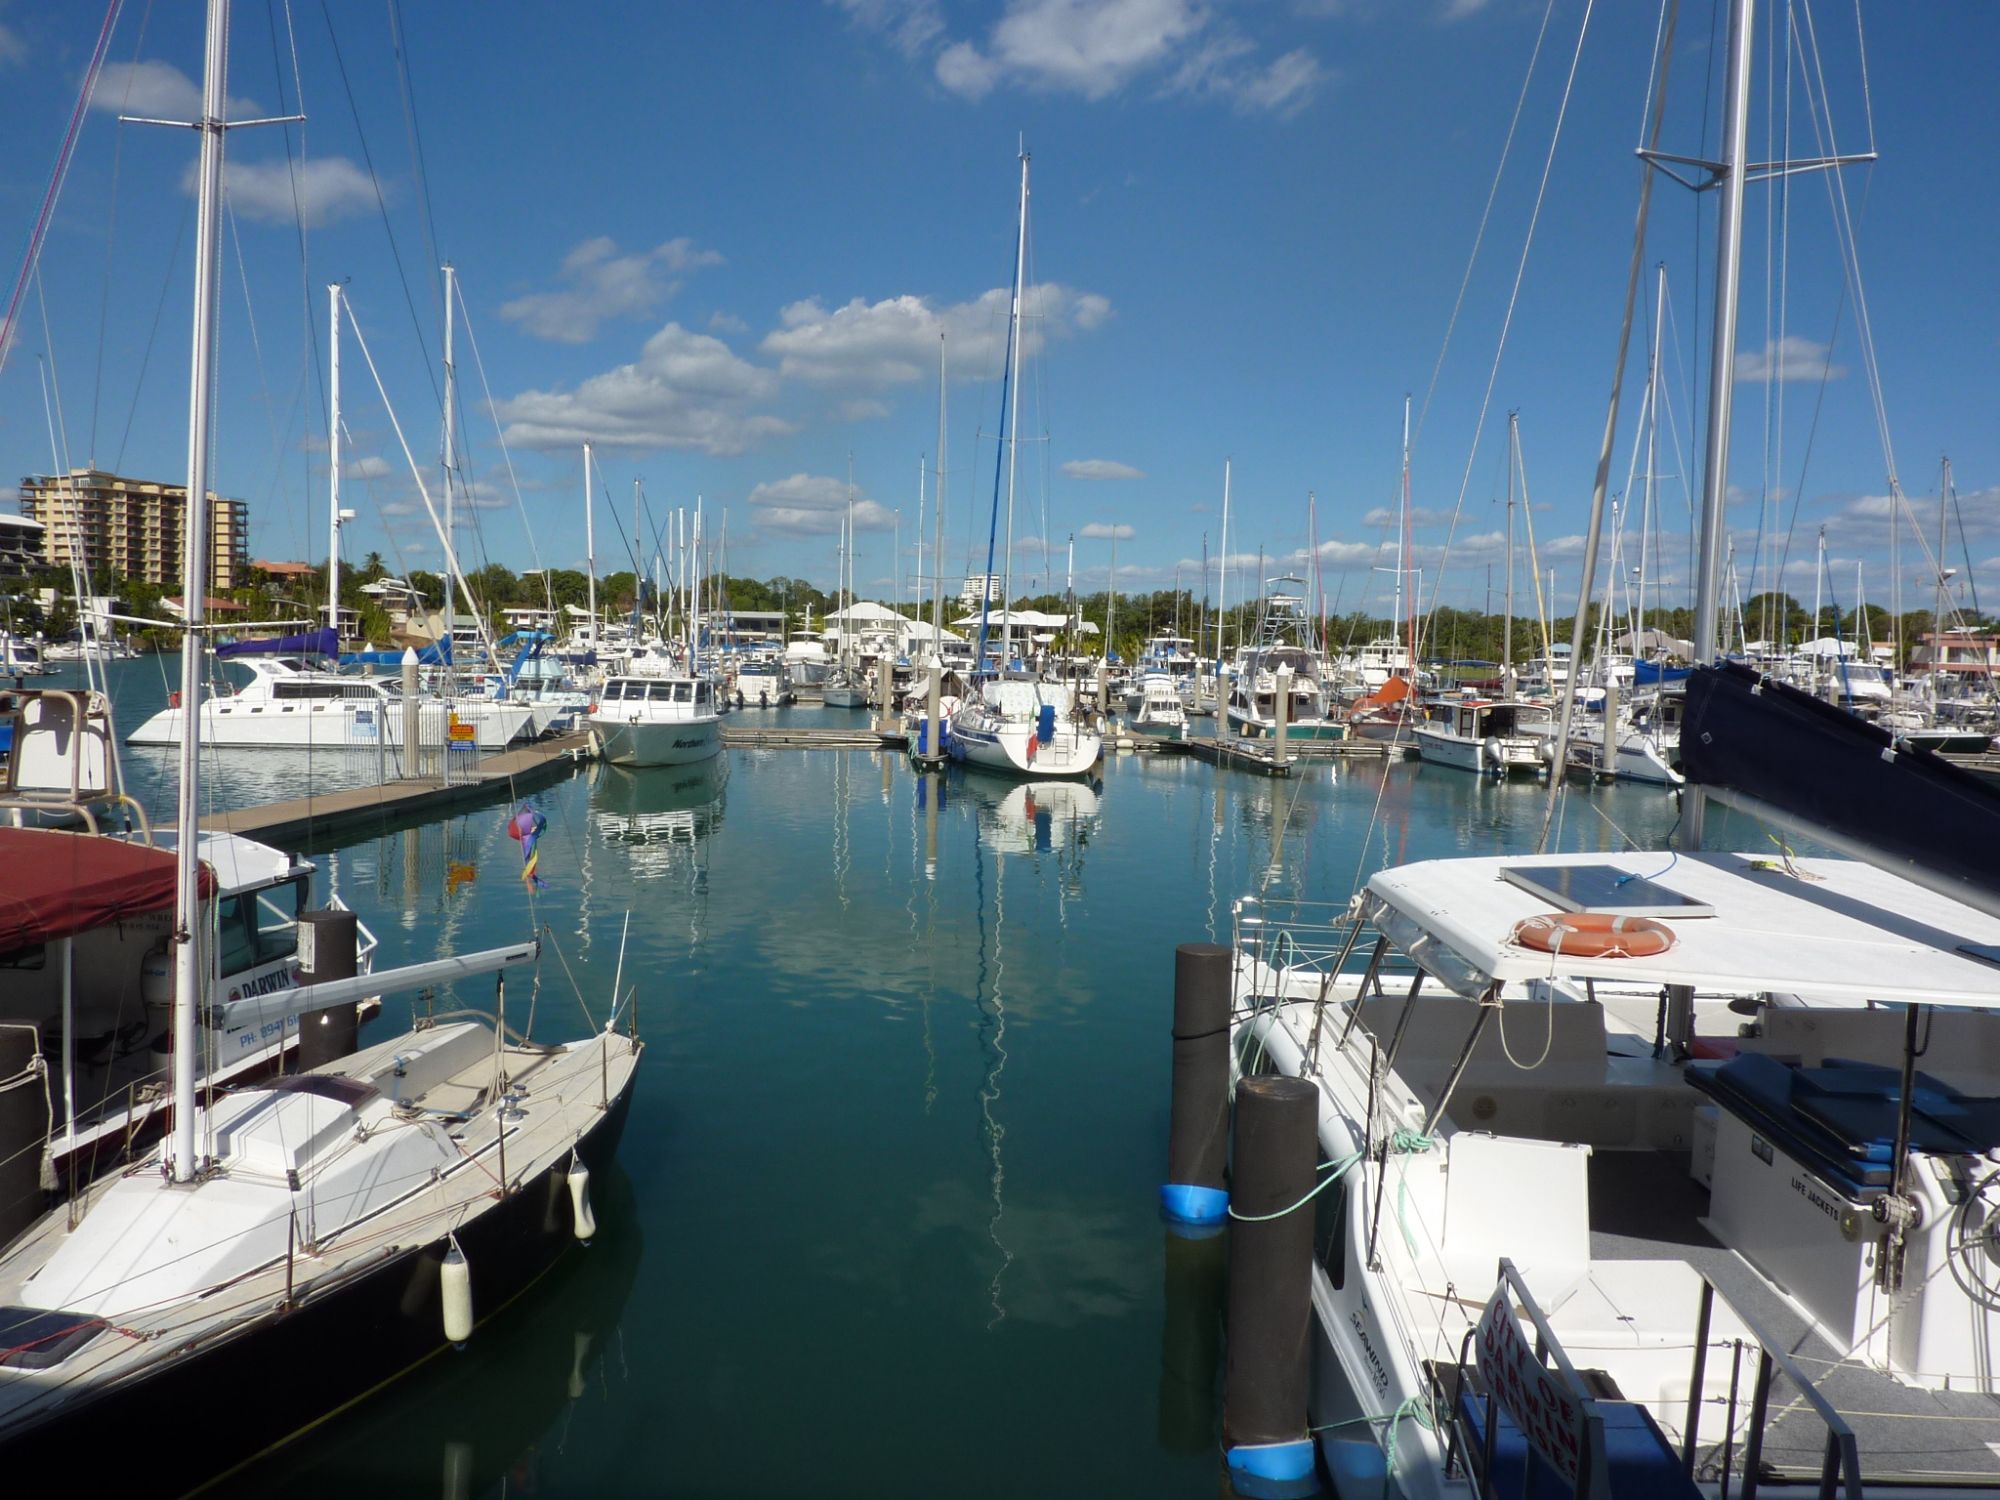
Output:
x=1840 y=1468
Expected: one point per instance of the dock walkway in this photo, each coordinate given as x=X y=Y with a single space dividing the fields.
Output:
x=790 y=737
x=302 y=820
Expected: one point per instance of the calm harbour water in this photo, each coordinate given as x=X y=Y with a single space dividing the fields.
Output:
x=886 y=1216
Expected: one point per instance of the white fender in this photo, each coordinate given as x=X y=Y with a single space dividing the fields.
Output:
x=579 y=1201
x=455 y=1286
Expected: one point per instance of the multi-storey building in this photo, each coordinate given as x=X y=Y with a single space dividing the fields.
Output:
x=133 y=527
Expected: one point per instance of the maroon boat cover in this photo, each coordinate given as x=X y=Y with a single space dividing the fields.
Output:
x=55 y=885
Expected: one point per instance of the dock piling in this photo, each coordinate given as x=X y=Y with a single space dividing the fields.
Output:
x=1196 y=1193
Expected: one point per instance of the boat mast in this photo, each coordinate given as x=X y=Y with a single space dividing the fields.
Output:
x=190 y=969
x=450 y=398
x=1014 y=424
x=1222 y=597
x=937 y=608
x=590 y=547
x=1652 y=447
x=1729 y=177
x=333 y=465
x=1403 y=561
x=1507 y=625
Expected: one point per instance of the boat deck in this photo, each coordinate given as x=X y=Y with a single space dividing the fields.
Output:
x=1646 y=1206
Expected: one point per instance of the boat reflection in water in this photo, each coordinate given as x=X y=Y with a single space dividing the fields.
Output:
x=536 y=1407
x=1033 y=817
x=659 y=816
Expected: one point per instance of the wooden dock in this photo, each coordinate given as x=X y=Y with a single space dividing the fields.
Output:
x=1238 y=755
x=306 y=821
x=791 y=737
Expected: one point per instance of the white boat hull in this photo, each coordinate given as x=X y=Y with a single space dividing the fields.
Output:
x=1071 y=751
x=658 y=742
x=326 y=724
x=1515 y=755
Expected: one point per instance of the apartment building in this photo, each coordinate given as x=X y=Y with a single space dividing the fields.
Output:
x=134 y=527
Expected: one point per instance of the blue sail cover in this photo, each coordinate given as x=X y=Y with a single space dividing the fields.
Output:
x=435 y=655
x=1823 y=766
x=1652 y=674
x=311 y=643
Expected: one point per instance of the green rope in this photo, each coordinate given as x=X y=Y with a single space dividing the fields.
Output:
x=1407 y=1143
x=1414 y=1407
x=1334 y=1170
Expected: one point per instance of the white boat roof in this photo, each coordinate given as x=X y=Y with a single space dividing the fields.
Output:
x=1834 y=932
x=239 y=863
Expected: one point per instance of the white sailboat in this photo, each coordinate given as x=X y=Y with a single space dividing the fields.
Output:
x=294 y=1245
x=1024 y=728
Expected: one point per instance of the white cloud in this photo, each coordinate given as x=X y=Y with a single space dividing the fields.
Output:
x=602 y=284
x=1101 y=531
x=1383 y=515
x=1100 y=468
x=327 y=188
x=1087 y=47
x=814 y=505
x=1788 y=358
x=370 y=467
x=399 y=508
x=1096 y=49
x=12 y=48
x=722 y=322
x=686 y=390
x=895 y=341
x=1458 y=10
x=862 y=410
x=912 y=26
x=158 y=91
x=1218 y=70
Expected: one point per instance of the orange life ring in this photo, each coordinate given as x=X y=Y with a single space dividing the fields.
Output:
x=173 y=700
x=1594 y=934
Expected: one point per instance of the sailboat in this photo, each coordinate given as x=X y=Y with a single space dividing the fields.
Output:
x=1015 y=723
x=292 y=1245
x=1730 y=1217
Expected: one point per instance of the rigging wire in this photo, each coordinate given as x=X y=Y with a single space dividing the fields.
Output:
x=111 y=230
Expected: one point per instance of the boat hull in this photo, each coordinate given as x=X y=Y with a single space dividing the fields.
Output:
x=1516 y=755
x=332 y=1349
x=844 y=695
x=328 y=725
x=641 y=743
x=1305 y=729
x=1072 y=752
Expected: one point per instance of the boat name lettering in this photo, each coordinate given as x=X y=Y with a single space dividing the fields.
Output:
x=1376 y=1372
x=263 y=984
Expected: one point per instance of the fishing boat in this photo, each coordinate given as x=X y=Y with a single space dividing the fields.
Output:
x=1283 y=651
x=292 y=1245
x=1489 y=736
x=656 y=721
x=1160 y=714
x=762 y=681
x=1015 y=724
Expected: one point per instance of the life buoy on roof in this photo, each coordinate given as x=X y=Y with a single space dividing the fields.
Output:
x=1594 y=934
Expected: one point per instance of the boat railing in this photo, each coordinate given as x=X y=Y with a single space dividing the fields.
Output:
x=1307 y=937
x=1561 y=1417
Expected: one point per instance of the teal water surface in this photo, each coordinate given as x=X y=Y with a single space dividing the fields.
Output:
x=886 y=1216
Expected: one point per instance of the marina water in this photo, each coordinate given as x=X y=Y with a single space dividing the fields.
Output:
x=885 y=1216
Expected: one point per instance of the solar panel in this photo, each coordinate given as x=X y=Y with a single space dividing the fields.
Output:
x=1603 y=888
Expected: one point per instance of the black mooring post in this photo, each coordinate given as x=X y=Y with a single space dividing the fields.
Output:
x=1196 y=1191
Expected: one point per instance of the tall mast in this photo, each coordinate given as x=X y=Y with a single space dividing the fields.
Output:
x=1013 y=424
x=450 y=400
x=937 y=608
x=590 y=547
x=1729 y=176
x=1507 y=625
x=1652 y=446
x=190 y=968
x=1222 y=584
x=1403 y=546
x=333 y=465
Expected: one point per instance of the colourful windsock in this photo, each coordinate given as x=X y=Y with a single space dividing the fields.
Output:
x=526 y=825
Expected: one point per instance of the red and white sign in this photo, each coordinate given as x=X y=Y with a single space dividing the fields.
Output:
x=1533 y=1395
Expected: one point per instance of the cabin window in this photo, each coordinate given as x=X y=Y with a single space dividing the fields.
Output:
x=235 y=938
x=1330 y=1227
x=277 y=916
x=614 y=690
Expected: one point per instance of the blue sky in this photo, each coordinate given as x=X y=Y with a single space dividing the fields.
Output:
x=721 y=239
